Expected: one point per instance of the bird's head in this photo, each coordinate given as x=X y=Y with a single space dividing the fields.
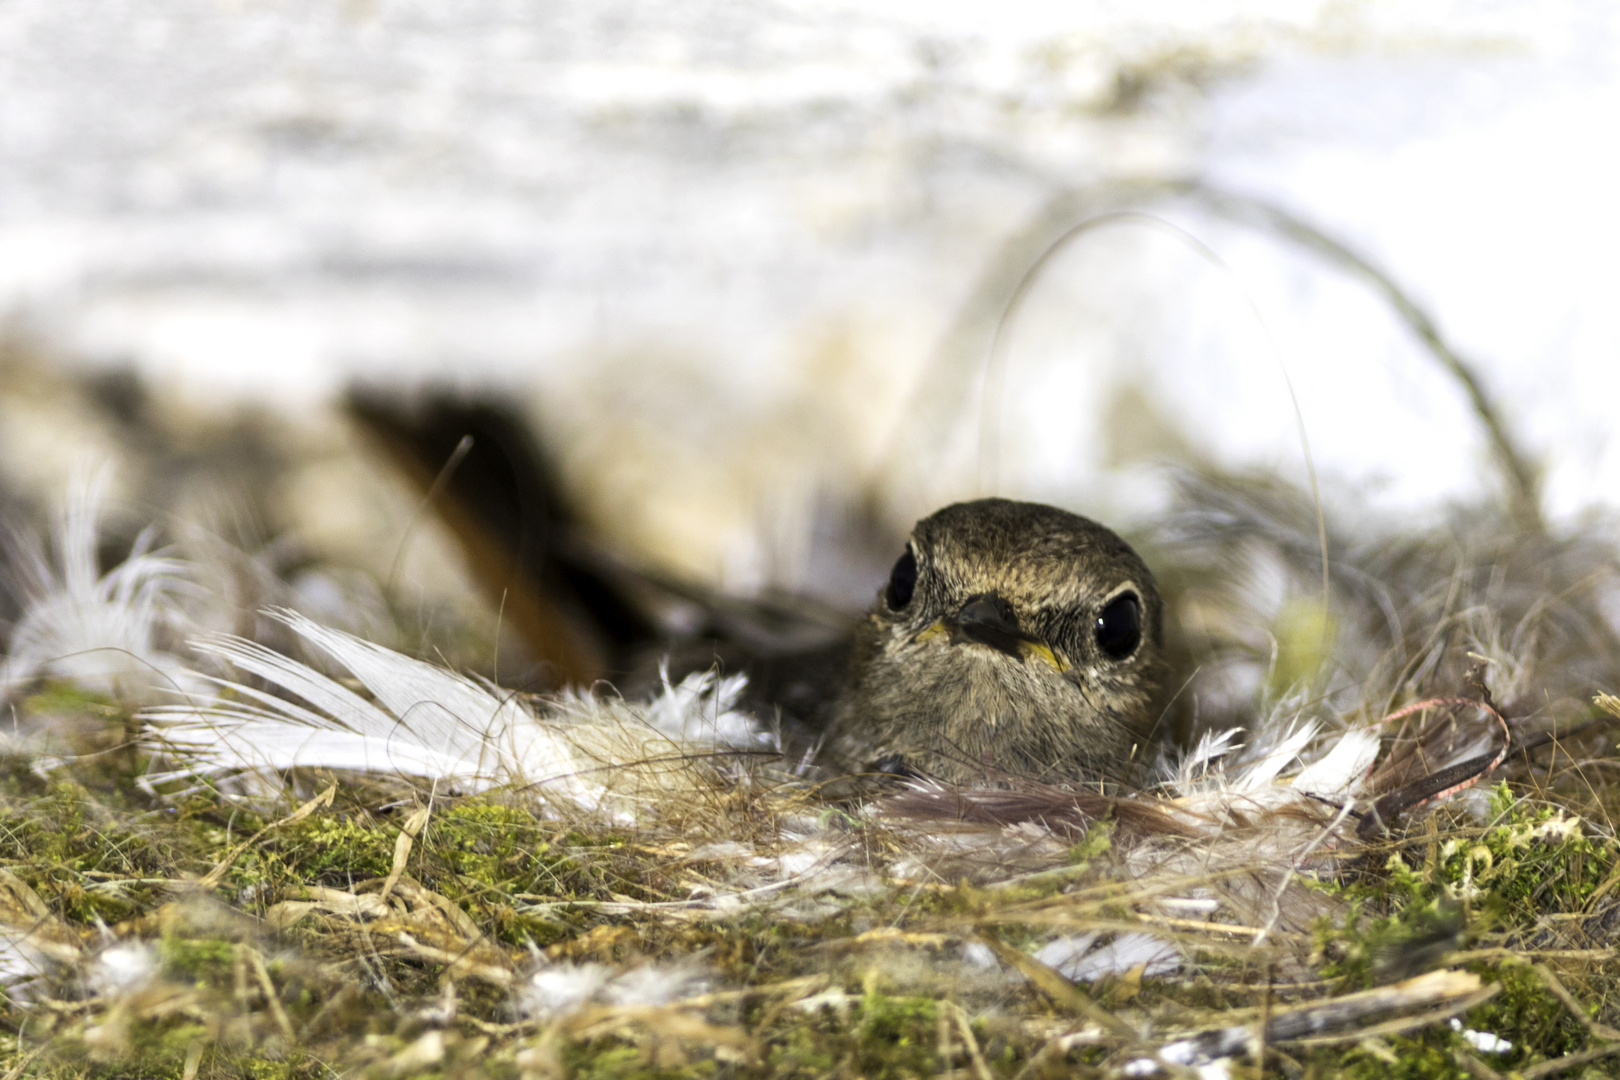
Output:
x=1010 y=636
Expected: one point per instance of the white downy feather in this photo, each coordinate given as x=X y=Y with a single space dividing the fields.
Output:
x=431 y=722
x=1192 y=767
x=1262 y=773
x=1341 y=770
x=1282 y=773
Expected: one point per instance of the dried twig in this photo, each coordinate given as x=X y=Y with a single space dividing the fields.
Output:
x=1443 y=993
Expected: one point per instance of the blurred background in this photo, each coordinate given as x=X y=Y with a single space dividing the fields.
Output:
x=770 y=280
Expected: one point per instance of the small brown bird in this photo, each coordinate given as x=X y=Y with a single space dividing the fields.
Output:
x=1012 y=639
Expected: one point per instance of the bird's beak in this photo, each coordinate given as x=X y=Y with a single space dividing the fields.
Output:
x=987 y=619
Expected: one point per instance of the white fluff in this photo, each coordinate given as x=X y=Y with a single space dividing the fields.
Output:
x=1074 y=958
x=656 y=984
x=1264 y=770
x=699 y=709
x=123 y=968
x=566 y=988
x=1483 y=1041
x=559 y=990
x=99 y=631
x=1212 y=746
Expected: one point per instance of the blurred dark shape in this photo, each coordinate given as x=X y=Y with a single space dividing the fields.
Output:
x=483 y=474
x=584 y=614
x=120 y=393
x=1421 y=944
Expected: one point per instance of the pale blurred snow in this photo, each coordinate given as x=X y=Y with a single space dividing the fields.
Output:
x=700 y=229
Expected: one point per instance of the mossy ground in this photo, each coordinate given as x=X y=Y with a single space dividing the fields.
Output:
x=294 y=963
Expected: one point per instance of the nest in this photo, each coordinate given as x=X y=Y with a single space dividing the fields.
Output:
x=327 y=856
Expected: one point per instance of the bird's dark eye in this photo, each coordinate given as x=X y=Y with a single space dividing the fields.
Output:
x=902 y=582
x=1119 y=627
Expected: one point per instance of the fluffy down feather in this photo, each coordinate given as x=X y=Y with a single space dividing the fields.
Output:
x=106 y=632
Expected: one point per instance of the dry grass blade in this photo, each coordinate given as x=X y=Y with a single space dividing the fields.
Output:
x=1598 y=956
x=272 y=996
x=194 y=1053
x=1199 y=926
x=458 y=963
x=408 y=833
x=27 y=1059
x=673 y=1022
x=1436 y=988
x=1475 y=1067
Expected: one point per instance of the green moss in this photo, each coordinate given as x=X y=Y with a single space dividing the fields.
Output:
x=1401 y=1059
x=204 y=962
x=260 y=1069
x=337 y=850
x=1097 y=842
x=1530 y=861
x=83 y=856
x=1526 y=1012
x=57 y=697
x=155 y=1049
x=1532 y=856
x=804 y=1051
x=1362 y=951
x=880 y=1036
x=488 y=846
x=1496 y=885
